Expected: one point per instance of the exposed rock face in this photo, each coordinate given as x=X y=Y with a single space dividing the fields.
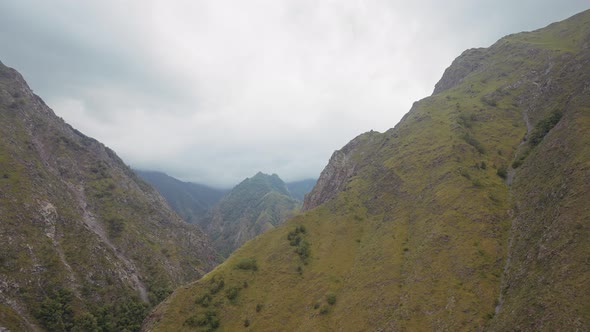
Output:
x=75 y=220
x=468 y=62
x=339 y=171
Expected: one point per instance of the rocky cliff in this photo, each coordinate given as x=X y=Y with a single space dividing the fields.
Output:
x=340 y=169
x=85 y=243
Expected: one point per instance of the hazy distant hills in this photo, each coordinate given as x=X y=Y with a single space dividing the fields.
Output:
x=190 y=200
x=231 y=217
x=85 y=245
x=299 y=189
x=256 y=205
x=471 y=214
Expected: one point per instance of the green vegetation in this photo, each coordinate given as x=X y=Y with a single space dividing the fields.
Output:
x=56 y=313
x=207 y=321
x=474 y=142
x=254 y=206
x=248 y=263
x=297 y=240
x=543 y=127
x=232 y=293
x=331 y=298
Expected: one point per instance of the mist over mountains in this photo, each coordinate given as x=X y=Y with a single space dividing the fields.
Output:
x=469 y=214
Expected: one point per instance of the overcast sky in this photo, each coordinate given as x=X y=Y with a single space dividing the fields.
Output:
x=213 y=91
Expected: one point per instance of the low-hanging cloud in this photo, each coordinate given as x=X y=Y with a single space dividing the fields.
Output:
x=213 y=91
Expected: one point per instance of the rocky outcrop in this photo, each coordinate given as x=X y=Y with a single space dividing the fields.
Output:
x=340 y=169
x=468 y=62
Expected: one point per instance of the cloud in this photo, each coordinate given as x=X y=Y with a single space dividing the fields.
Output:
x=214 y=91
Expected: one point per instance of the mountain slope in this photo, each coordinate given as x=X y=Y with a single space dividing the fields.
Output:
x=256 y=205
x=428 y=226
x=85 y=242
x=191 y=201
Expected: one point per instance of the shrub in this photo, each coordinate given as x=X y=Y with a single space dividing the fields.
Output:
x=204 y=300
x=543 y=127
x=208 y=319
x=56 y=313
x=502 y=172
x=474 y=142
x=158 y=293
x=489 y=101
x=248 y=263
x=259 y=307
x=303 y=250
x=232 y=293
x=246 y=323
x=331 y=298
x=216 y=285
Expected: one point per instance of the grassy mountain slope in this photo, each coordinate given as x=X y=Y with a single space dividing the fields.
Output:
x=191 y=201
x=85 y=243
x=470 y=214
x=254 y=206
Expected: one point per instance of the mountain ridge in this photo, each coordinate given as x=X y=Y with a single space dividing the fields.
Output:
x=252 y=207
x=190 y=200
x=467 y=215
x=86 y=243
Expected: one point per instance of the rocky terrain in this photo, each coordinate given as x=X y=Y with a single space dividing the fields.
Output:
x=86 y=244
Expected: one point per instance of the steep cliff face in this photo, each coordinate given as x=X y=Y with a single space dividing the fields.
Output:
x=85 y=242
x=340 y=169
x=254 y=206
x=469 y=215
x=470 y=61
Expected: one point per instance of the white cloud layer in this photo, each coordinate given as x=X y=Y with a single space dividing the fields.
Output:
x=213 y=91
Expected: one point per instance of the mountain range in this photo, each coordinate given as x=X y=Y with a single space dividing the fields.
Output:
x=190 y=200
x=470 y=214
x=231 y=217
x=255 y=205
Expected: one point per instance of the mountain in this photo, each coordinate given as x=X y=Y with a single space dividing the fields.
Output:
x=85 y=244
x=254 y=206
x=470 y=214
x=191 y=201
x=299 y=189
